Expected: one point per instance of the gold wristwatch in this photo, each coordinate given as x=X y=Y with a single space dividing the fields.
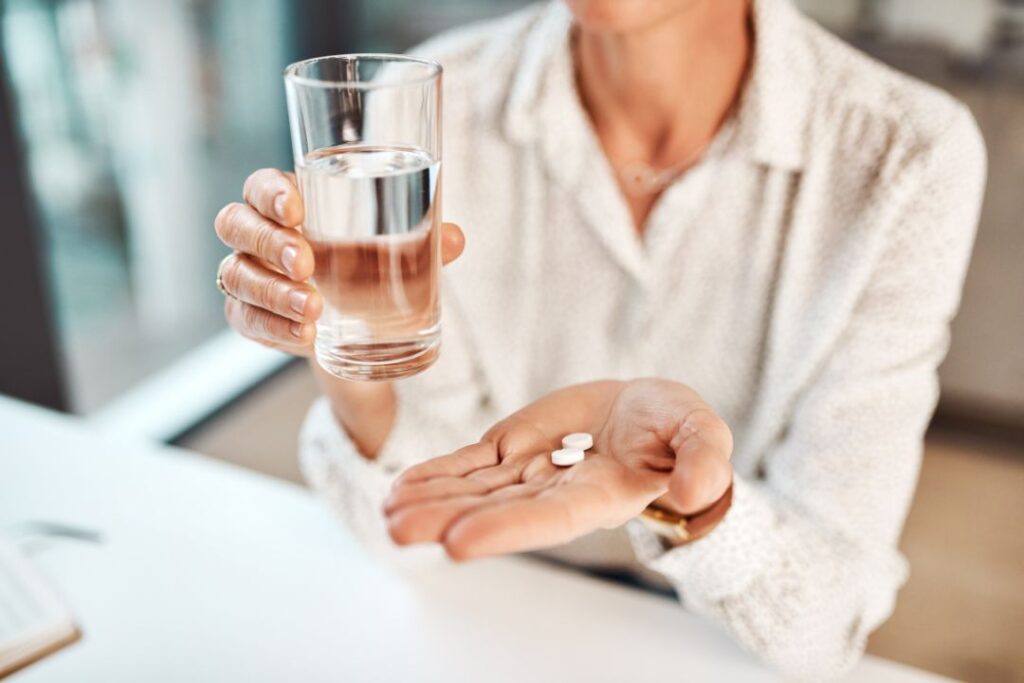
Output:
x=680 y=529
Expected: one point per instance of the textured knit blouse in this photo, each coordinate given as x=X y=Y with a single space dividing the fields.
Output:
x=801 y=278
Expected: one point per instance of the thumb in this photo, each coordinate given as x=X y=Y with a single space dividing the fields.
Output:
x=702 y=473
x=453 y=241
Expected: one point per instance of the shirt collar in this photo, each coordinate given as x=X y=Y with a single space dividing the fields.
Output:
x=771 y=116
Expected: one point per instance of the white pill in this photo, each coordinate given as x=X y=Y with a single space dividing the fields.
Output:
x=564 y=457
x=580 y=440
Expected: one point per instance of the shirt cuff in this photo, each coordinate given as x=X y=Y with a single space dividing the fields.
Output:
x=402 y=448
x=356 y=487
x=722 y=563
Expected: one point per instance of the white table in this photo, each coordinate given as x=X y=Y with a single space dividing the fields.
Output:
x=208 y=572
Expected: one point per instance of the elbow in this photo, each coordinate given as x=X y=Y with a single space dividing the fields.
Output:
x=806 y=640
x=821 y=644
x=829 y=658
x=814 y=628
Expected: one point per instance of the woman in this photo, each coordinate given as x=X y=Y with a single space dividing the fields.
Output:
x=716 y=195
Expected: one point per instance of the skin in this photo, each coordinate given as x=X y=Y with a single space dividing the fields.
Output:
x=271 y=302
x=651 y=438
x=657 y=78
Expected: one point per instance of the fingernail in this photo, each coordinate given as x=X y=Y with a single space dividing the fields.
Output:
x=297 y=300
x=288 y=257
x=279 y=203
x=296 y=329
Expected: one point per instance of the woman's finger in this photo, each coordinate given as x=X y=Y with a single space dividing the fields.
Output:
x=453 y=241
x=250 y=282
x=456 y=464
x=273 y=193
x=426 y=522
x=242 y=228
x=553 y=516
x=480 y=481
x=429 y=521
x=260 y=324
x=702 y=472
x=430 y=490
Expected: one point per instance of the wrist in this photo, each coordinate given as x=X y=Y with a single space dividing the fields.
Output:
x=365 y=410
x=676 y=528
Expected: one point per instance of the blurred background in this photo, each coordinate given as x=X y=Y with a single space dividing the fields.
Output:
x=125 y=126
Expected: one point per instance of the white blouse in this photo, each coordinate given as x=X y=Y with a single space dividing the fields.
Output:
x=801 y=278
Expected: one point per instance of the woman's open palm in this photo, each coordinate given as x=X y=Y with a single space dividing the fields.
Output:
x=652 y=439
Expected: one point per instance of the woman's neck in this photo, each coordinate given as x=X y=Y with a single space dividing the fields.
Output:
x=658 y=95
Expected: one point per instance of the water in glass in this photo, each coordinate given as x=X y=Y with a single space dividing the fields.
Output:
x=372 y=218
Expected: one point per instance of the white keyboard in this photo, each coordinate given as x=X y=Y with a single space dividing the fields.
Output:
x=33 y=618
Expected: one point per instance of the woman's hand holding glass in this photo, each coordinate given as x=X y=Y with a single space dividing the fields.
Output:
x=269 y=298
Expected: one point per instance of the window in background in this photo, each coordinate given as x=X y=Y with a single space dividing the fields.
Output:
x=138 y=120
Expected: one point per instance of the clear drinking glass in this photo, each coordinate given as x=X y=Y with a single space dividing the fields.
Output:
x=366 y=134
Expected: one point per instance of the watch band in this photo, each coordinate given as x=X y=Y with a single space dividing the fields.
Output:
x=686 y=528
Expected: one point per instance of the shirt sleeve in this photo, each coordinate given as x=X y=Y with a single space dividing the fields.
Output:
x=437 y=411
x=805 y=564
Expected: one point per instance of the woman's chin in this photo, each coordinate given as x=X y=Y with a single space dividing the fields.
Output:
x=621 y=16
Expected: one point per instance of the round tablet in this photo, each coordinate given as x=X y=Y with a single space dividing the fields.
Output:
x=564 y=457
x=580 y=440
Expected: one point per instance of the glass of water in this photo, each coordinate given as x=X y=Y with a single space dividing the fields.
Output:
x=366 y=134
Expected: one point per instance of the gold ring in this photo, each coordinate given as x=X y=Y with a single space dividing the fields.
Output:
x=220 y=276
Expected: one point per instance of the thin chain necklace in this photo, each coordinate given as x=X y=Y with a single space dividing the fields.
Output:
x=640 y=179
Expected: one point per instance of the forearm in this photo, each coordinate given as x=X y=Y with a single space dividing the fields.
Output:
x=353 y=485
x=365 y=410
x=427 y=415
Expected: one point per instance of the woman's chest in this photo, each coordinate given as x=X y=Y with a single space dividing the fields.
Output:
x=558 y=287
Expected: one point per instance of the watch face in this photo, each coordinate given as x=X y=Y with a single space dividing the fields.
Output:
x=675 y=532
